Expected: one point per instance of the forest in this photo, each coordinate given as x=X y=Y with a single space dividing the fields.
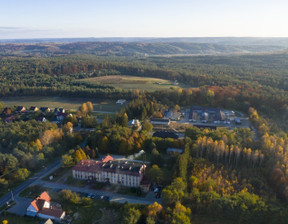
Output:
x=238 y=176
x=236 y=82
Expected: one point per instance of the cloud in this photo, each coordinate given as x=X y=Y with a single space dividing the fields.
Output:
x=10 y=28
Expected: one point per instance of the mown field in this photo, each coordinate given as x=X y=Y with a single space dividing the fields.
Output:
x=134 y=82
x=67 y=103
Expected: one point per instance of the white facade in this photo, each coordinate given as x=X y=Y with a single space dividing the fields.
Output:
x=113 y=178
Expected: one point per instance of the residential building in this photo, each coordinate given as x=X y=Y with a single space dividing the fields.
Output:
x=20 y=109
x=172 y=115
x=33 y=109
x=206 y=114
x=44 y=208
x=134 y=123
x=165 y=134
x=48 y=221
x=174 y=151
x=129 y=174
x=45 y=109
x=121 y=101
x=160 y=121
x=107 y=159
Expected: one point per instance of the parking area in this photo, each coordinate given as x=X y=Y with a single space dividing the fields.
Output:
x=21 y=206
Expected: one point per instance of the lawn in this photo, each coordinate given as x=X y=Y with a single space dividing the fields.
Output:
x=74 y=182
x=65 y=102
x=134 y=82
x=35 y=190
x=57 y=174
x=15 y=219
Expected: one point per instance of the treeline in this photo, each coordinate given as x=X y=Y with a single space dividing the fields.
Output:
x=27 y=146
x=221 y=81
x=235 y=194
x=275 y=147
x=218 y=151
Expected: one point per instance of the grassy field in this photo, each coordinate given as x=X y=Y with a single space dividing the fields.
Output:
x=67 y=103
x=134 y=82
x=57 y=174
x=14 y=219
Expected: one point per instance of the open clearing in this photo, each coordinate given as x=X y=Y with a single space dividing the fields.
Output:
x=65 y=102
x=134 y=82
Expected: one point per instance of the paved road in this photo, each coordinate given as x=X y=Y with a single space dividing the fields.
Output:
x=149 y=199
x=30 y=181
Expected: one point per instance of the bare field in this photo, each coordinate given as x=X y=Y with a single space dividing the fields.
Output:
x=67 y=103
x=134 y=82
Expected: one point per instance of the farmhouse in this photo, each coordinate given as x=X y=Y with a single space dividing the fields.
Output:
x=42 y=207
x=121 y=172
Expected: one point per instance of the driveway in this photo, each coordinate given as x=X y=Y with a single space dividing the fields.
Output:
x=21 y=206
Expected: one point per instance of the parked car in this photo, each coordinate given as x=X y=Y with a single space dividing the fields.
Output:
x=107 y=198
x=89 y=195
x=97 y=196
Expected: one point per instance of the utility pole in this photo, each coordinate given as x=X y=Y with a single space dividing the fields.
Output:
x=12 y=195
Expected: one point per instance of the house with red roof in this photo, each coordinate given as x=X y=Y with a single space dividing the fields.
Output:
x=44 y=208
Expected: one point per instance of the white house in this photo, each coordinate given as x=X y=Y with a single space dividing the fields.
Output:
x=121 y=101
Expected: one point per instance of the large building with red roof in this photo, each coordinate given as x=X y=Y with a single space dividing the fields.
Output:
x=121 y=172
x=45 y=209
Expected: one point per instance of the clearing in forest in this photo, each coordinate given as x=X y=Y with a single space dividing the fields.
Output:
x=135 y=82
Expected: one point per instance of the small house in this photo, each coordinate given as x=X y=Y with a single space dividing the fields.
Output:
x=121 y=101
x=33 y=109
x=45 y=109
x=41 y=119
x=174 y=151
x=44 y=208
x=134 y=123
x=20 y=109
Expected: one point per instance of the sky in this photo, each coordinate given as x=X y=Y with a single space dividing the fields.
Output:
x=142 y=18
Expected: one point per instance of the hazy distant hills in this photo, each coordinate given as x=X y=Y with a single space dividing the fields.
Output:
x=142 y=46
x=273 y=41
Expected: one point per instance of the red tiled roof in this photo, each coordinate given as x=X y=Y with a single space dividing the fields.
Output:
x=107 y=158
x=45 y=196
x=34 y=204
x=88 y=165
x=54 y=212
x=39 y=202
